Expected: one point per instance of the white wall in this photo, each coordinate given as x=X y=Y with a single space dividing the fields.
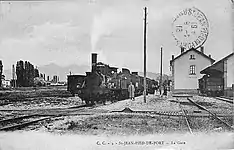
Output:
x=230 y=71
x=182 y=79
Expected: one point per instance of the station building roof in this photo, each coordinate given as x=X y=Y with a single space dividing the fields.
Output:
x=216 y=68
x=195 y=50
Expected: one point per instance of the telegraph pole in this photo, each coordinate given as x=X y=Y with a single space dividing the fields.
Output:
x=160 y=90
x=145 y=23
x=233 y=50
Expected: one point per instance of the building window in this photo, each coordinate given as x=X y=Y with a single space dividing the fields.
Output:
x=192 y=70
x=192 y=57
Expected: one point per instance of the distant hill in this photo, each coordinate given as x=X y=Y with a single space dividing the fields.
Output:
x=155 y=76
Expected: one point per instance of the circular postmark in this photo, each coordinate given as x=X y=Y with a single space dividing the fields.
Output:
x=190 y=28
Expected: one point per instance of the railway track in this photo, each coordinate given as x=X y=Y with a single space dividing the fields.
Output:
x=171 y=113
x=32 y=116
x=211 y=113
x=185 y=116
x=28 y=117
x=224 y=99
x=20 y=122
x=25 y=120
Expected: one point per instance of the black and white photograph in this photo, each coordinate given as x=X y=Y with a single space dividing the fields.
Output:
x=117 y=74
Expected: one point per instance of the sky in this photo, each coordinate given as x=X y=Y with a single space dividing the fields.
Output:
x=65 y=32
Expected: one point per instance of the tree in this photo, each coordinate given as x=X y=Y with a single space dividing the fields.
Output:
x=20 y=73
x=41 y=75
x=25 y=74
x=31 y=76
x=36 y=73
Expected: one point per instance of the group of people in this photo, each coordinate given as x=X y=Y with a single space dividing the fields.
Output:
x=131 y=91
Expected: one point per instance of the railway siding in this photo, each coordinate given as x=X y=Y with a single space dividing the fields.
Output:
x=214 y=105
x=20 y=122
x=186 y=117
x=214 y=115
x=156 y=114
x=225 y=99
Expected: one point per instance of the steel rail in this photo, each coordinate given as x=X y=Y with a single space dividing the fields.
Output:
x=224 y=99
x=213 y=114
x=167 y=113
x=46 y=113
x=185 y=116
x=17 y=118
x=18 y=126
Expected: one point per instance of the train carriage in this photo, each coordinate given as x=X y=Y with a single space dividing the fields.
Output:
x=211 y=86
x=75 y=82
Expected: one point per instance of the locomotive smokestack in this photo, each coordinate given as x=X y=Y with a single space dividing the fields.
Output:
x=94 y=60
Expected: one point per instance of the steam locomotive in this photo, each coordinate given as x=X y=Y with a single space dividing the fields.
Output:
x=103 y=83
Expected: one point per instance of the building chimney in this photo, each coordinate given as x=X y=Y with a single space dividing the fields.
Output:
x=182 y=49
x=94 y=60
x=202 y=49
x=172 y=57
x=210 y=56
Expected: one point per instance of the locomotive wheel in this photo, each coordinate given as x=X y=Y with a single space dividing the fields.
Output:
x=92 y=101
x=98 y=98
x=112 y=97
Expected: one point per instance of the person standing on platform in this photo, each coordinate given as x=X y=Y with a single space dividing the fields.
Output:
x=131 y=90
x=165 y=90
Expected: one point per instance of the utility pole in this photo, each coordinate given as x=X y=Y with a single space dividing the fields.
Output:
x=145 y=23
x=160 y=85
x=233 y=49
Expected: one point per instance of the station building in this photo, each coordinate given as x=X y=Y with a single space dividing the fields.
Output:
x=185 y=70
x=224 y=70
